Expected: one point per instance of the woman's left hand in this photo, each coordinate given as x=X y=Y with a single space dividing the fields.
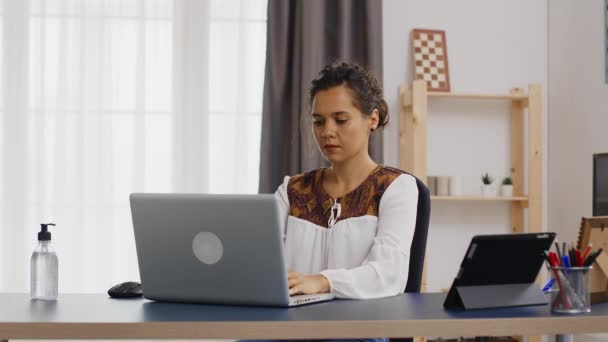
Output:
x=307 y=284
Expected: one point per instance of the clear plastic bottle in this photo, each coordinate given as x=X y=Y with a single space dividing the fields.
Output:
x=44 y=268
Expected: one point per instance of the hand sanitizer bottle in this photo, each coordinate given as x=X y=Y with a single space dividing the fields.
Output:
x=44 y=267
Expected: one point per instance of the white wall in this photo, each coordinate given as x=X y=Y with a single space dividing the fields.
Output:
x=578 y=124
x=578 y=101
x=493 y=46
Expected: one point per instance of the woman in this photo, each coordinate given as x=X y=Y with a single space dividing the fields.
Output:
x=349 y=227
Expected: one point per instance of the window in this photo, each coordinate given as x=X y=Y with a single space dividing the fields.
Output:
x=91 y=117
x=237 y=55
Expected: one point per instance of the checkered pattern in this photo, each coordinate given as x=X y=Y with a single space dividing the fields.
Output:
x=431 y=58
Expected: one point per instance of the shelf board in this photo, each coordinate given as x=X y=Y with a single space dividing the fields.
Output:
x=406 y=96
x=472 y=96
x=480 y=198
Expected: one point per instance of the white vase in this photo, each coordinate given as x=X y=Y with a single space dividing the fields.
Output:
x=432 y=185
x=506 y=190
x=455 y=186
x=443 y=188
x=487 y=190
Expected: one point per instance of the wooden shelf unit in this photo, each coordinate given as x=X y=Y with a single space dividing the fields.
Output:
x=414 y=100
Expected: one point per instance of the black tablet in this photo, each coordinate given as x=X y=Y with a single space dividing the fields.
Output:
x=493 y=261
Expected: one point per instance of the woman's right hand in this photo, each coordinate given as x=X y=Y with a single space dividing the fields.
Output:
x=307 y=284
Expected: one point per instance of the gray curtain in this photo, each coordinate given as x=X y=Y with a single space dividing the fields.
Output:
x=303 y=36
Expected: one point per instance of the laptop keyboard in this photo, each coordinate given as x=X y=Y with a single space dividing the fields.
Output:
x=303 y=295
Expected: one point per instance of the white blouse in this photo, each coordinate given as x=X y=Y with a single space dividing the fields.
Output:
x=359 y=242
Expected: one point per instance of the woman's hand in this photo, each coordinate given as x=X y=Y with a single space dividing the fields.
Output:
x=307 y=284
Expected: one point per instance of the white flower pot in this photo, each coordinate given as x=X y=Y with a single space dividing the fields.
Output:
x=455 y=186
x=487 y=190
x=432 y=185
x=506 y=190
x=443 y=188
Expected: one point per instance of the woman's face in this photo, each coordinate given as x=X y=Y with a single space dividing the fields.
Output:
x=340 y=129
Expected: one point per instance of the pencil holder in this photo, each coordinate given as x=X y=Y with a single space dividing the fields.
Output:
x=570 y=292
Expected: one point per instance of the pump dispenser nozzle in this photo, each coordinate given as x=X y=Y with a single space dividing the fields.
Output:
x=44 y=234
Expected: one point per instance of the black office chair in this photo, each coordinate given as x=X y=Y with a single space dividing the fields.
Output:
x=418 y=248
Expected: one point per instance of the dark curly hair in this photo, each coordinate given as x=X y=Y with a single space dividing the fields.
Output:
x=367 y=93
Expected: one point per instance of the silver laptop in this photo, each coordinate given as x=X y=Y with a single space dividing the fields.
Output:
x=218 y=249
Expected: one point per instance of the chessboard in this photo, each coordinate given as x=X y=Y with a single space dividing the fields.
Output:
x=430 y=57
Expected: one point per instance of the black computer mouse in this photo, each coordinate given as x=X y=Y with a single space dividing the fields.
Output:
x=128 y=289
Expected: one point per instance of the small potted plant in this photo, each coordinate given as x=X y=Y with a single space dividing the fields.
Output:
x=486 y=186
x=507 y=187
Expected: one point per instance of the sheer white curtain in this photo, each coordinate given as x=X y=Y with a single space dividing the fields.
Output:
x=101 y=98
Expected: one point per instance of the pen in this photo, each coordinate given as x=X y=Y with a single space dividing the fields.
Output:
x=573 y=259
x=566 y=261
x=553 y=259
x=587 y=250
x=579 y=258
x=559 y=254
x=562 y=293
x=592 y=257
x=549 y=285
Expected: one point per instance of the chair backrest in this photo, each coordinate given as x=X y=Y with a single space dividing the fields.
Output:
x=423 y=213
x=418 y=248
